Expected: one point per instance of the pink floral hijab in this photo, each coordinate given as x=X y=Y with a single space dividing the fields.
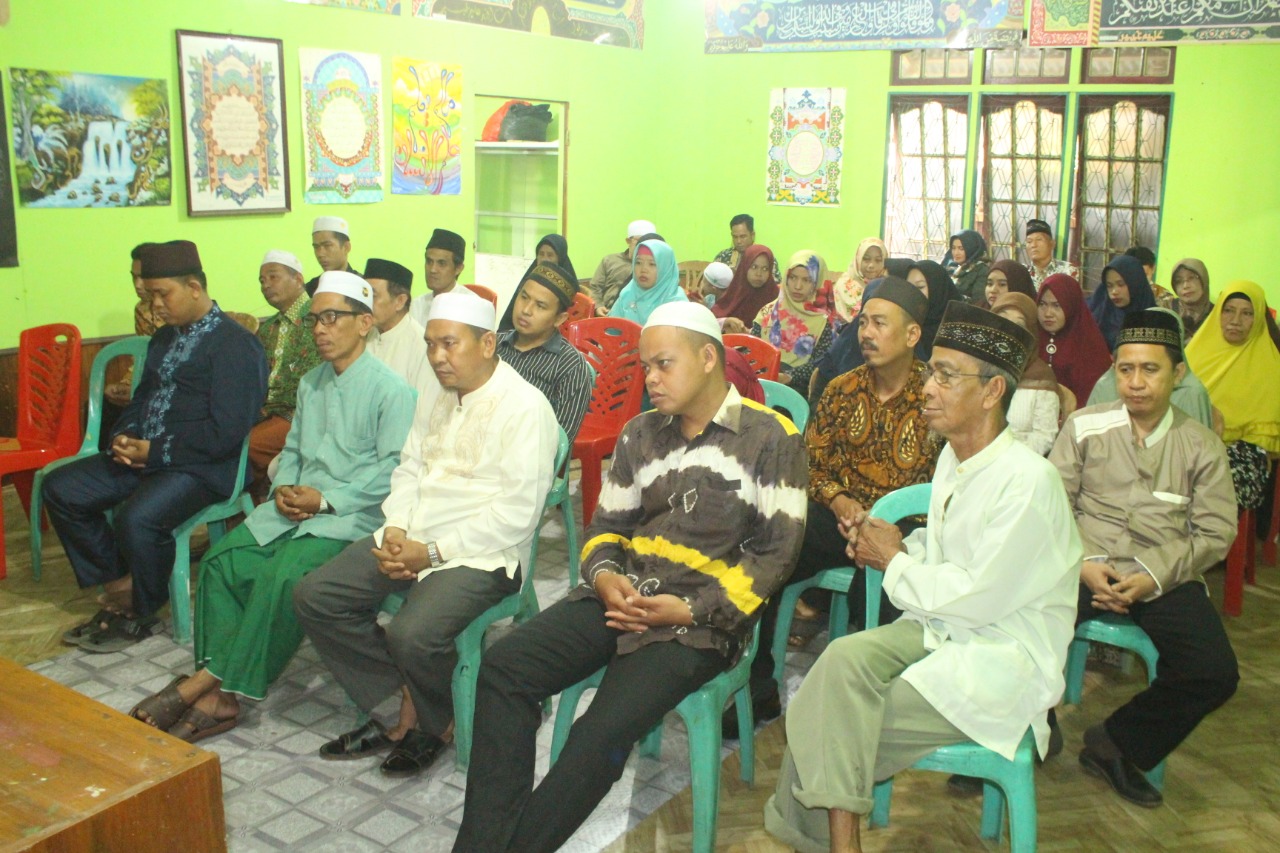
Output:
x=792 y=327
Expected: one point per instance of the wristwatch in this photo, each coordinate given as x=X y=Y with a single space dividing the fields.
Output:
x=324 y=506
x=433 y=554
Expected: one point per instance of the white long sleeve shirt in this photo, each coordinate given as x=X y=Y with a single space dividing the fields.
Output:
x=474 y=474
x=403 y=349
x=993 y=578
x=1033 y=417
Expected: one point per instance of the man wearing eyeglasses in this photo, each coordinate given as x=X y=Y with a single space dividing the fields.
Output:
x=988 y=590
x=352 y=417
x=291 y=354
x=867 y=437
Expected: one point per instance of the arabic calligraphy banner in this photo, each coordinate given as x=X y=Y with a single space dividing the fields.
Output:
x=342 y=126
x=1061 y=23
x=742 y=26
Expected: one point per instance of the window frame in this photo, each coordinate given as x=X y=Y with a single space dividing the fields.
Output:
x=1143 y=79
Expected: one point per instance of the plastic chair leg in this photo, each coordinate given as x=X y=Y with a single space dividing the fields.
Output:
x=590 y=479
x=1233 y=587
x=464 y=703
x=22 y=482
x=881 y=798
x=704 y=760
x=180 y=589
x=992 y=811
x=1273 y=529
x=747 y=735
x=1077 y=655
x=838 y=623
x=37 y=530
x=3 y=570
x=1250 y=546
x=565 y=712
x=651 y=744
x=782 y=627
x=1022 y=818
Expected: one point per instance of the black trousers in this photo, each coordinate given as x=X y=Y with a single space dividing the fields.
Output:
x=1196 y=674
x=139 y=538
x=552 y=651
x=823 y=548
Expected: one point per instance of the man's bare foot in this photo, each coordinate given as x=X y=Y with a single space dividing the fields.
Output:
x=804 y=611
x=117 y=600
x=408 y=717
x=219 y=705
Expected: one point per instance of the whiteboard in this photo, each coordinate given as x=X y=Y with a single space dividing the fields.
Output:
x=500 y=273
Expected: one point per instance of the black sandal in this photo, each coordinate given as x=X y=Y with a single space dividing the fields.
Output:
x=369 y=739
x=79 y=634
x=120 y=634
x=415 y=752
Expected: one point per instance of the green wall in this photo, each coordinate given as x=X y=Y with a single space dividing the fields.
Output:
x=666 y=133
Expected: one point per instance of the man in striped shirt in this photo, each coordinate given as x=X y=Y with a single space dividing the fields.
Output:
x=699 y=523
x=539 y=353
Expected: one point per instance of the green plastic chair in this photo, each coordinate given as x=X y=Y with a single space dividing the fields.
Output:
x=1006 y=784
x=519 y=606
x=134 y=347
x=701 y=711
x=1114 y=630
x=893 y=507
x=778 y=395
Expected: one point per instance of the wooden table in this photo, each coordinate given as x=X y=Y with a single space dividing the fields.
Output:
x=78 y=777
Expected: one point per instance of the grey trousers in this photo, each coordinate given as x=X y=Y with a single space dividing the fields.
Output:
x=338 y=605
x=853 y=722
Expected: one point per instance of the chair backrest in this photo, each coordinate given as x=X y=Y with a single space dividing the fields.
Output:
x=612 y=348
x=134 y=347
x=691 y=274
x=246 y=320
x=779 y=396
x=583 y=308
x=49 y=386
x=764 y=357
x=484 y=292
x=893 y=507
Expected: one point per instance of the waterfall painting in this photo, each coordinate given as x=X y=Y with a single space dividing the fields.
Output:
x=90 y=140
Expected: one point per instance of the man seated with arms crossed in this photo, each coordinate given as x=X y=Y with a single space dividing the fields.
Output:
x=699 y=522
x=988 y=590
x=175 y=450
x=1153 y=499
x=464 y=501
x=866 y=438
x=398 y=340
x=352 y=418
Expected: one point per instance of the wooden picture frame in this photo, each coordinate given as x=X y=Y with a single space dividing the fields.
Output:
x=234 y=131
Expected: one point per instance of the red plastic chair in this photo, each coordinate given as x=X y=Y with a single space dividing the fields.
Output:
x=48 y=409
x=583 y=308
x=1273 y=529
x=765 y=358
x=612 y=348
x=483 y=292
x=1240 y=565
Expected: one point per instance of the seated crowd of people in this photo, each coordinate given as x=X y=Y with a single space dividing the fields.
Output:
x=1088 y=454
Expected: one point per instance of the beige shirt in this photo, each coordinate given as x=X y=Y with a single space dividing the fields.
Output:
x=403 y=349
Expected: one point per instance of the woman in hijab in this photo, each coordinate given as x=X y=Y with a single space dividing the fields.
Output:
x=1189 y=394
x=655 y=280
x=553 y=249
x=1007 y=276
x=966 y=261
x=933 y=281
x=1033 y=416
x=867 y=265
x=753 y=286
x=799 y=329
x=1191 y=284
x=1124 y=289
x=1070 y=342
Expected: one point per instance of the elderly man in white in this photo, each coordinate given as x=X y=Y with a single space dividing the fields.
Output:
x=988 y=591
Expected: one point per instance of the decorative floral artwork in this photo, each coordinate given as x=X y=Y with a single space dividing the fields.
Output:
x=611 y=22
x=806 y=128
x=342 y=126
x=387 y=7
x=90 y=140
x=426 y=128
x=233 y=123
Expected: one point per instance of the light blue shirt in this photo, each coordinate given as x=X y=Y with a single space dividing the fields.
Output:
x=345 y=441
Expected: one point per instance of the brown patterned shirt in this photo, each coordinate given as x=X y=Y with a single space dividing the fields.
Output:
x=865 y=448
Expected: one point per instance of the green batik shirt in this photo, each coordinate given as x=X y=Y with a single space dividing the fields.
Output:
x=291 y=353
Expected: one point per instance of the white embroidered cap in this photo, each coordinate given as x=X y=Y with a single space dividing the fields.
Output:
x=641 y=227
x=693 y=316
x=463 y=306
x=718 y=274
x=283 y=258
x=331 y=223
x=345 y=284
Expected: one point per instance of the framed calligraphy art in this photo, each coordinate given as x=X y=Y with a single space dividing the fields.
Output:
x=806 y=130
x=342 y=123
x=233 y=124
x=1146 y=23
x=426 y=128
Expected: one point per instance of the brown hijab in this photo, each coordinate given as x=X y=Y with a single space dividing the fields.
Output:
x=1037 y=376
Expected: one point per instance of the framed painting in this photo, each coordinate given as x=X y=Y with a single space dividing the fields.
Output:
x=233 y=124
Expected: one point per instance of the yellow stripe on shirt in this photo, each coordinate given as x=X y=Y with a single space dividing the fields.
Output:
x=737 y=584
x=782 y=419
x=603 y=539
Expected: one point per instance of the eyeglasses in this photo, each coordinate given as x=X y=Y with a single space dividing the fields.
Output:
x=325 y=318
x=943 y=377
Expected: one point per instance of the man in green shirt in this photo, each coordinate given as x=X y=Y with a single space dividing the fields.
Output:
x=353 y=415
x=290 y=354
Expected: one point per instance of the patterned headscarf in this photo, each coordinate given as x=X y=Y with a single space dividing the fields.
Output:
x=793 y=327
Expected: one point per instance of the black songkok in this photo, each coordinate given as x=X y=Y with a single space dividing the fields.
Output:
x=985 y=336
x=442 y=239
x=905 y=295
x=389 y=271
x=174 y=259
x=556 y=280
x=1151 y=326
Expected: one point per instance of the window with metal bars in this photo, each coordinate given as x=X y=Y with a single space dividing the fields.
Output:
x=928 y=143
x=1121 y=143
x=1019 y=168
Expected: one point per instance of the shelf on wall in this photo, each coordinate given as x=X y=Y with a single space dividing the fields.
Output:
x=553 y=145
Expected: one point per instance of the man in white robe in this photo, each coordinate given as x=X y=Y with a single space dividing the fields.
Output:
x=398 y=340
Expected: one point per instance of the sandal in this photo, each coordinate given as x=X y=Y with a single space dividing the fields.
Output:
x=364 y=740
x=163 y=709
x=100 y=621
x=196 y=725
x=121 y=633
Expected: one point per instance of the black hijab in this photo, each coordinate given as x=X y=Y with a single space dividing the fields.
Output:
x=560 y=246
x=942 y=292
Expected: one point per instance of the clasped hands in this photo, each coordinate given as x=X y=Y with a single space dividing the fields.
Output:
x=297 y=503
x=627 y=610
x=401 y=558
x=130 y=451
x=1112 y=591
x=872 y=542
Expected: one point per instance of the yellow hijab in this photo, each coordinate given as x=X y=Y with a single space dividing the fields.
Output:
x=1241 y=378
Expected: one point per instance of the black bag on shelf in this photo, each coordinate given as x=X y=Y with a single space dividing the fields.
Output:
x=525 y=123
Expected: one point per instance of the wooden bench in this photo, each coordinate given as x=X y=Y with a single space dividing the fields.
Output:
x=78 y=776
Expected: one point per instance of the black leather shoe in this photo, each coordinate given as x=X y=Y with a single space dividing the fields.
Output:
x=369 y=739
x=415 y=752
x=1123 y=776
x=965 y=786
x=764 y=708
